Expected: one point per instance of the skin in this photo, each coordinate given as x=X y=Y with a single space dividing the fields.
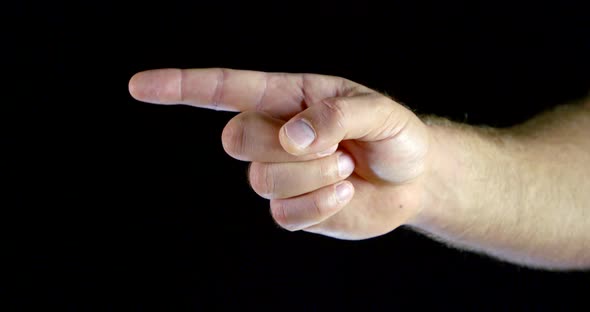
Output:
x=518 y=194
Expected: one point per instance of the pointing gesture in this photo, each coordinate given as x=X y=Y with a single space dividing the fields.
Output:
x=334 y=157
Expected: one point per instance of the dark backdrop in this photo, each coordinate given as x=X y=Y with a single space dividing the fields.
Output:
x=112 y=204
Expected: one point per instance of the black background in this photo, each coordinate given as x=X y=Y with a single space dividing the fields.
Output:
x=112 y=204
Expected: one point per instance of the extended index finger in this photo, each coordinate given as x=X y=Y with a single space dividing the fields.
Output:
x=280 y=94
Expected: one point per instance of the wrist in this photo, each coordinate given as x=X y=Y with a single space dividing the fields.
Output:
x=459 y=163
x=440 y=178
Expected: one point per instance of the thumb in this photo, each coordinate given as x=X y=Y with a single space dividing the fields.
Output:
x=365 y=117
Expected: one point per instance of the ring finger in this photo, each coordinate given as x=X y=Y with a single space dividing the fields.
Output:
x=283 y=180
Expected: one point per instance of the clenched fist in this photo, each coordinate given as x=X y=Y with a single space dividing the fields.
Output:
x=333 y=157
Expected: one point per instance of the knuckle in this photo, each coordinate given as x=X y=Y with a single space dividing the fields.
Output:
x=392 y=123
x=278 y=210
x=261 y=179
x=318 y=206
x=327 y=169
x=233 y=138
x=334 y=111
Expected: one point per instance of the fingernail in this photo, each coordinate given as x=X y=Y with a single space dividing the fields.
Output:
x=345 y=165
x=300 y=133
x=343 y=191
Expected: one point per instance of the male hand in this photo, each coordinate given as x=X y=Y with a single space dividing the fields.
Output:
x=334 y=157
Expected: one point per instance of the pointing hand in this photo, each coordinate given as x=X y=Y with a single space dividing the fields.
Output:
x=334 y=157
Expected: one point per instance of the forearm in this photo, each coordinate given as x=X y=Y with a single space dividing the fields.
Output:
x=520 y=194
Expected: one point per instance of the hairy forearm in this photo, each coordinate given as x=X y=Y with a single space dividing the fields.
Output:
x=520 y=194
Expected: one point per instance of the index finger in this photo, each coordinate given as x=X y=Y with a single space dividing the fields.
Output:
x=280 y=94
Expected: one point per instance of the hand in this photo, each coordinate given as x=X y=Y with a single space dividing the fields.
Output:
x=296 y=129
